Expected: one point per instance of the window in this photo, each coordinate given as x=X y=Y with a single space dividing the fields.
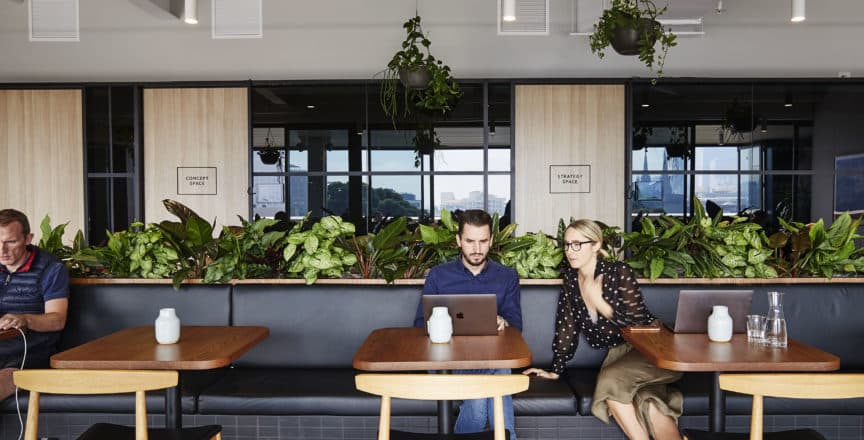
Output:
x=762 y=147
x=111 y=155
x=329 y=149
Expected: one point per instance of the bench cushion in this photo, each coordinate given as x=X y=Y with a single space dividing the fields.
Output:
x=319 y=326
x=280 y=391
x=101 y=309
x=545 y=398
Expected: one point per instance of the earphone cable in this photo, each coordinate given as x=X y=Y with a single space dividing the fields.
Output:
x=17 y=404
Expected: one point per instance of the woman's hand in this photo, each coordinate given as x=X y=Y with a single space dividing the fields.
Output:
x=541 y=373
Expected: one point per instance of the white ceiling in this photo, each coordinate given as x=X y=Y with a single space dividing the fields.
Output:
x=140 y=40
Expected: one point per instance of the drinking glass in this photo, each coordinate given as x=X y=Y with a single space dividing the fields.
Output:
x=756 y=328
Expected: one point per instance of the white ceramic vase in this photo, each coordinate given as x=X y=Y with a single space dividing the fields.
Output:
x=167 y=326
x=720 y=325
x=440 y=326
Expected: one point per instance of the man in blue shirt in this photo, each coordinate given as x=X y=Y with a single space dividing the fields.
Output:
x=473 y=272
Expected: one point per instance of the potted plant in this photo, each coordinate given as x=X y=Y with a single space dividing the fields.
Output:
x=679 y=144
x=414 y=80
x=269 y=154
x=631 y=28
x=425 y=142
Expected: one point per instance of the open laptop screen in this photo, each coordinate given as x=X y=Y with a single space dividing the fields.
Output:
x=472 y=314
x=695 y=306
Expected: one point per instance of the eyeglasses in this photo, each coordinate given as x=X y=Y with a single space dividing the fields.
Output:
x=575 y=246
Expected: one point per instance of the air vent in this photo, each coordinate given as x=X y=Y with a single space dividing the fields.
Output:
x=532 y=18
x=682 y=20
x=54 y=20
x=237 y=19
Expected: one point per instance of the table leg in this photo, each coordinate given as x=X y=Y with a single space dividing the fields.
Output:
x=717 y=405
x=173 y=412
x=445 y=413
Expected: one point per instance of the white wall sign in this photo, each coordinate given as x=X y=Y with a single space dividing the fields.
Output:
x=196 y=181
x=569 y=179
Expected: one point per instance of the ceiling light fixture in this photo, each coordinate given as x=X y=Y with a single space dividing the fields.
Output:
x=764 y=124
x=508 y=10
x=310 y=106
x=720 y=9
x=190 y=11
x=787 y=101
x=798 y=14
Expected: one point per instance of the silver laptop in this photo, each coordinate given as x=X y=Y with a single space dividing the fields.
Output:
x=472 y=314
x=694 y=307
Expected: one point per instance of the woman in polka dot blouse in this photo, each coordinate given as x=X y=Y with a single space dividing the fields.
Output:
x=629 y=387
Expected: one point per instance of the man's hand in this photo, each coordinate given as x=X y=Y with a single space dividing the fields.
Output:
x=502 y=323
x=541 y=373
x=13 y=321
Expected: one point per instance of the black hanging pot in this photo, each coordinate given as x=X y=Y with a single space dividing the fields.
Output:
x=740 y=118
x=626 y=39
x=269 y=156
x=416 y=79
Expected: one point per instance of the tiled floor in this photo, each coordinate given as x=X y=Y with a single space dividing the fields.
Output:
x=68 y=426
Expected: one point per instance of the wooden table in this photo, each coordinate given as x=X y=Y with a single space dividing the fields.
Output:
x=409 y=348
x=694 y=352
x=199 y=348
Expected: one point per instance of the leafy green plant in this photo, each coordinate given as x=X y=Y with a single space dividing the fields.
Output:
x=247 y=252
x=441 y=238
x=533 y=256
x=381 y=255
x=659 y=250
x=314 y=252
x=702 y=247
x=52 y=240
x=503 y=239
x=825 y=252
x=193 y=239
x=137 y=253
x=639 y=17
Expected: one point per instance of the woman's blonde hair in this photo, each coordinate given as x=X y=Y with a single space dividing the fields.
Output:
x=591 y=230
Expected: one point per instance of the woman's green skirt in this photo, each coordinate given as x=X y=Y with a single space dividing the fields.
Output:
x=627 y=376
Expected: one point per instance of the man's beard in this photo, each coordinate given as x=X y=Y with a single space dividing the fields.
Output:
x=466 y=258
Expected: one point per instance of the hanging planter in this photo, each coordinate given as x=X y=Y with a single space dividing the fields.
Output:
x=415 y=79
x=269 y=156
x=425 y=142
x=631 y=28
x=626 y=39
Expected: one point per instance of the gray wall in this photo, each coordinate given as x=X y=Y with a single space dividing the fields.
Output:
x=139 y=40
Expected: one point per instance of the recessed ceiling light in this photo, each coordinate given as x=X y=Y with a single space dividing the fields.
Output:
x=645 y=105
x=798 y=14
x=508 y=12
x=310 y=106
x=190 y=11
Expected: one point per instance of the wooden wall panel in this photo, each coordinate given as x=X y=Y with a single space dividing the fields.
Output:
x=41 y=149
x=196 y=127
x=569 y=125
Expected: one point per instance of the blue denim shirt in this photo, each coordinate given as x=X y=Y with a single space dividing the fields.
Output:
x=454 y=277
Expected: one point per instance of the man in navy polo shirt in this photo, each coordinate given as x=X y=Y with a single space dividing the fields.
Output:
x=473 y=272
x=34 y=287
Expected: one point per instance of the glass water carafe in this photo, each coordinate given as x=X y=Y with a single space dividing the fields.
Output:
x=775 y=325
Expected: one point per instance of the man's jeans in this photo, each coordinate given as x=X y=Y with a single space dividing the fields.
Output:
x=473 y=414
